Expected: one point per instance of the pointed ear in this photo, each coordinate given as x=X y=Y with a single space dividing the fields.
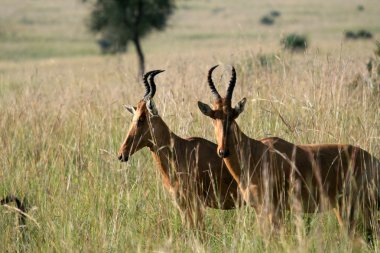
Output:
x=130 y=108
x=151 y=106
x=239 y=108
x=205 y=109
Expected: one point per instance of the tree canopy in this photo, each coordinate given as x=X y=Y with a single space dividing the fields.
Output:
x=122 y=21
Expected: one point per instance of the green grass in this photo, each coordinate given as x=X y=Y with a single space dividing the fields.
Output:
x=62 y=121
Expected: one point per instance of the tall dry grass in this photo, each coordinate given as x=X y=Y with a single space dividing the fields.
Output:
x=62 y=122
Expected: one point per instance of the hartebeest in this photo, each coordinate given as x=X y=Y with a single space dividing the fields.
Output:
x=191 y=170
x=272 y=171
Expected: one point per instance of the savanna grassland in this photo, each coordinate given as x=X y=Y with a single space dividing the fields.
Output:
x=62 y=119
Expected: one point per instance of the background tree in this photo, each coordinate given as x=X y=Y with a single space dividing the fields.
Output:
x=122 y=21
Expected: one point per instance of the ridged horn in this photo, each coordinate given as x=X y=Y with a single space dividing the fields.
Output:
x=152 y=83
x=211 y=84
x=231 y=85
x=146 y=84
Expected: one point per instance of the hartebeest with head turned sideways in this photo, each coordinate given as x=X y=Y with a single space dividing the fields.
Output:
x=191 y=170
x=269 y=170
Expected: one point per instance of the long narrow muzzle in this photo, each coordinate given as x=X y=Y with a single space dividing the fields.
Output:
x=122 y=158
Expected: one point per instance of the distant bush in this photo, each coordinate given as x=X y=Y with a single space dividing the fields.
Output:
x=105 y=46
x=270 y=18
x=294 y=42
x=350 y=35
x=364 y=34
x=217 y=10
x=267 y=20
x=275 y=13
x=361 y=34
x=360 y=7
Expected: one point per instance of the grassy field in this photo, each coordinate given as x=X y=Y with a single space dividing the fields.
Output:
x=62 y=119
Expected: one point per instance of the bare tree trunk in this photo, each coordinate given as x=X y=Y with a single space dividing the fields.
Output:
x=136 y=39
x=140 y=56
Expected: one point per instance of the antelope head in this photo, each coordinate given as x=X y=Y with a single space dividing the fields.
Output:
x=139 y=133
x=222 y=114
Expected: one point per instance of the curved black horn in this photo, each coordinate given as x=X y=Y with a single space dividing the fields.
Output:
x=211 y=83
x=152 y=83
x=231 y=85
x=146 y=84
